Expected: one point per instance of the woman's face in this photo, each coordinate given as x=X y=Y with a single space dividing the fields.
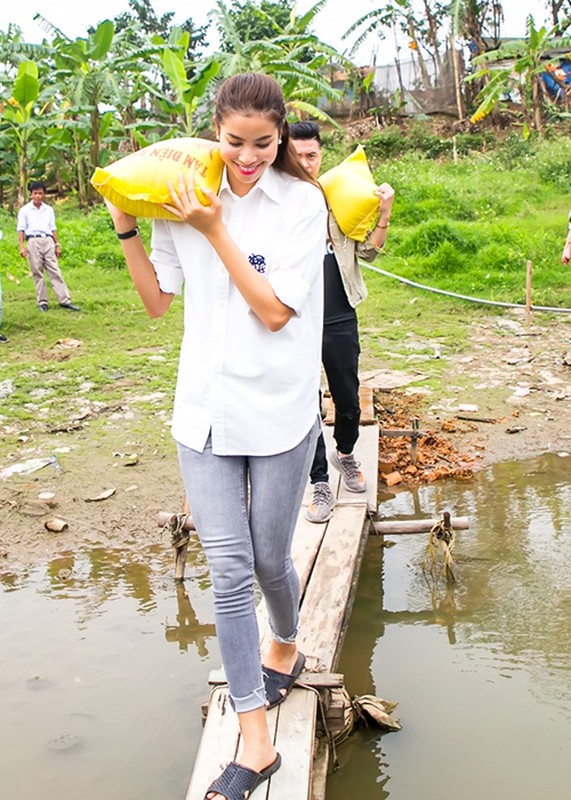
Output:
x=248 y=146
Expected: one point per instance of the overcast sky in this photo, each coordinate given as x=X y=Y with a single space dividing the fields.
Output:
x=73 y=18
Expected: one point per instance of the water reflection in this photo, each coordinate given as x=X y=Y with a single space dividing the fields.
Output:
x=93 y=693
x=188 y=629
x=482 y=667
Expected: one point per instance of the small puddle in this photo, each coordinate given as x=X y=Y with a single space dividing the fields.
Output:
x=105 y=662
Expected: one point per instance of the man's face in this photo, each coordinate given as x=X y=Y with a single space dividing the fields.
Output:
x=309 y=152
x=38 y=196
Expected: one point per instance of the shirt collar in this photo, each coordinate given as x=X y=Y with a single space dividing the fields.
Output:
x=268 y=184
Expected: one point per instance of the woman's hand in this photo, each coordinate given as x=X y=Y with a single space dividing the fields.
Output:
x=122 y=221
x=188 y=208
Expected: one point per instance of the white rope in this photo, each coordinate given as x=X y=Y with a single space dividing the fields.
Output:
x=461 y=296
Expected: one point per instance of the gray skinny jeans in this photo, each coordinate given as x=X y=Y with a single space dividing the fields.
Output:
x=247 y=535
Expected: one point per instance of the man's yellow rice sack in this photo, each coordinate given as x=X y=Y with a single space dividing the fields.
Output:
x=350 y=191
x=138 y=183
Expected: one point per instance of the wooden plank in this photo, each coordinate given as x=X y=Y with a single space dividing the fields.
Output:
x=367 y=408
x=367 y=453
x=306 y=543
x=320 y=767
x=328 y=597
x=295 y=742
x=218 y=745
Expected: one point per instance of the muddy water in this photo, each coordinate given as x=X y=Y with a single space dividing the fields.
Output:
x=103 y=666
x=482 y=671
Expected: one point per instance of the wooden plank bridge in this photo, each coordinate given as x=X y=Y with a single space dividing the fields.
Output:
x=328 y=559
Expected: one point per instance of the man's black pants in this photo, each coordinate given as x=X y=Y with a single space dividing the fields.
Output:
x=340 y=356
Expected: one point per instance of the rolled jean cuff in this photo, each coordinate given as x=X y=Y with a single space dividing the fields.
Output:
x=257 y=699
x=284 y=640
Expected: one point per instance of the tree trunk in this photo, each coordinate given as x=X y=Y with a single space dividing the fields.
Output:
x=422 y=66
x=93 y=150
x=536 y=103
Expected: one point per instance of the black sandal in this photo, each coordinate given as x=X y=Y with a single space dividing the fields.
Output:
x=238 y=782
x=279 y=684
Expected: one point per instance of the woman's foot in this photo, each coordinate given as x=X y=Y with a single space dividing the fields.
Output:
x=238 y=781
x=280 y=680
x=281 y=657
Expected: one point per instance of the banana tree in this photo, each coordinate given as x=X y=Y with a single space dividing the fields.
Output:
x=17 y=127
x=92 y=75
x=294 y=56
x=189 y=82
x=524 y=61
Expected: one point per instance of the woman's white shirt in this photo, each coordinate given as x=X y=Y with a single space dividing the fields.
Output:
x=255 y=391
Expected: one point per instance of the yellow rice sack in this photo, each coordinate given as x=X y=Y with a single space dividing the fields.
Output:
x=349 y=188
x=138 y=183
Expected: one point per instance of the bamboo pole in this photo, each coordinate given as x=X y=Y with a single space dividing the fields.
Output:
x=402 y=526
x=393 y=527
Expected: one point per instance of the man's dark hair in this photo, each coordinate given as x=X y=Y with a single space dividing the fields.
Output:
x=37 y=185
x=304 y=130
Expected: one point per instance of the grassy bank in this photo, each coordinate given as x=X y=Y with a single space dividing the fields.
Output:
x=467 y=226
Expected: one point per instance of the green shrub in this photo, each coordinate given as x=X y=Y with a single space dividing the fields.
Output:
x=553 y=163
x=387 y=143
x=429 y=237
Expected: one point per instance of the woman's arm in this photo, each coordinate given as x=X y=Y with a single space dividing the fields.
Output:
x=140 y=267
x=255 y=289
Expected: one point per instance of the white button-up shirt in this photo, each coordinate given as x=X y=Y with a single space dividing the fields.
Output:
x=255 y=391
x=33 y=220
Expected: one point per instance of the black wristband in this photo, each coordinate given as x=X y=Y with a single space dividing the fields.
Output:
x=128 y=234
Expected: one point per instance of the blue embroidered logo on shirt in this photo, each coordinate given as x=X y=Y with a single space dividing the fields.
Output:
x=258 y=262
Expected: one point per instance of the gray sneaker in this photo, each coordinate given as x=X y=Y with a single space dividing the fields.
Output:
x=353 y=478
x=321 y=507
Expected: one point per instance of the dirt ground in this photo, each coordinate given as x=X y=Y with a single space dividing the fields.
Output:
x=507 y=396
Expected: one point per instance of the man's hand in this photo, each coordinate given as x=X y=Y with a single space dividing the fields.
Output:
x=23 y=251
x=386 y=195
x=566 y=257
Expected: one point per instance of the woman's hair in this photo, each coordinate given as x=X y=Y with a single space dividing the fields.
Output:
x=254 y=93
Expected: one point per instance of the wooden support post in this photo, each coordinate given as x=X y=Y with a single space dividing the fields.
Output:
x=179 y=525
x=180 y=562
x=528 y=294
x=414 y=441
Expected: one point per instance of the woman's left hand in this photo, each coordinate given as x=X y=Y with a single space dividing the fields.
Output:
x=188 y=208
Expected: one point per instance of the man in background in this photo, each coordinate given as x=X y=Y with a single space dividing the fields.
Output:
x=344 y=290
x=39 y=244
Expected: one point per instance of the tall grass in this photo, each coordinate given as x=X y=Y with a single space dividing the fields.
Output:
x=471 y=225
